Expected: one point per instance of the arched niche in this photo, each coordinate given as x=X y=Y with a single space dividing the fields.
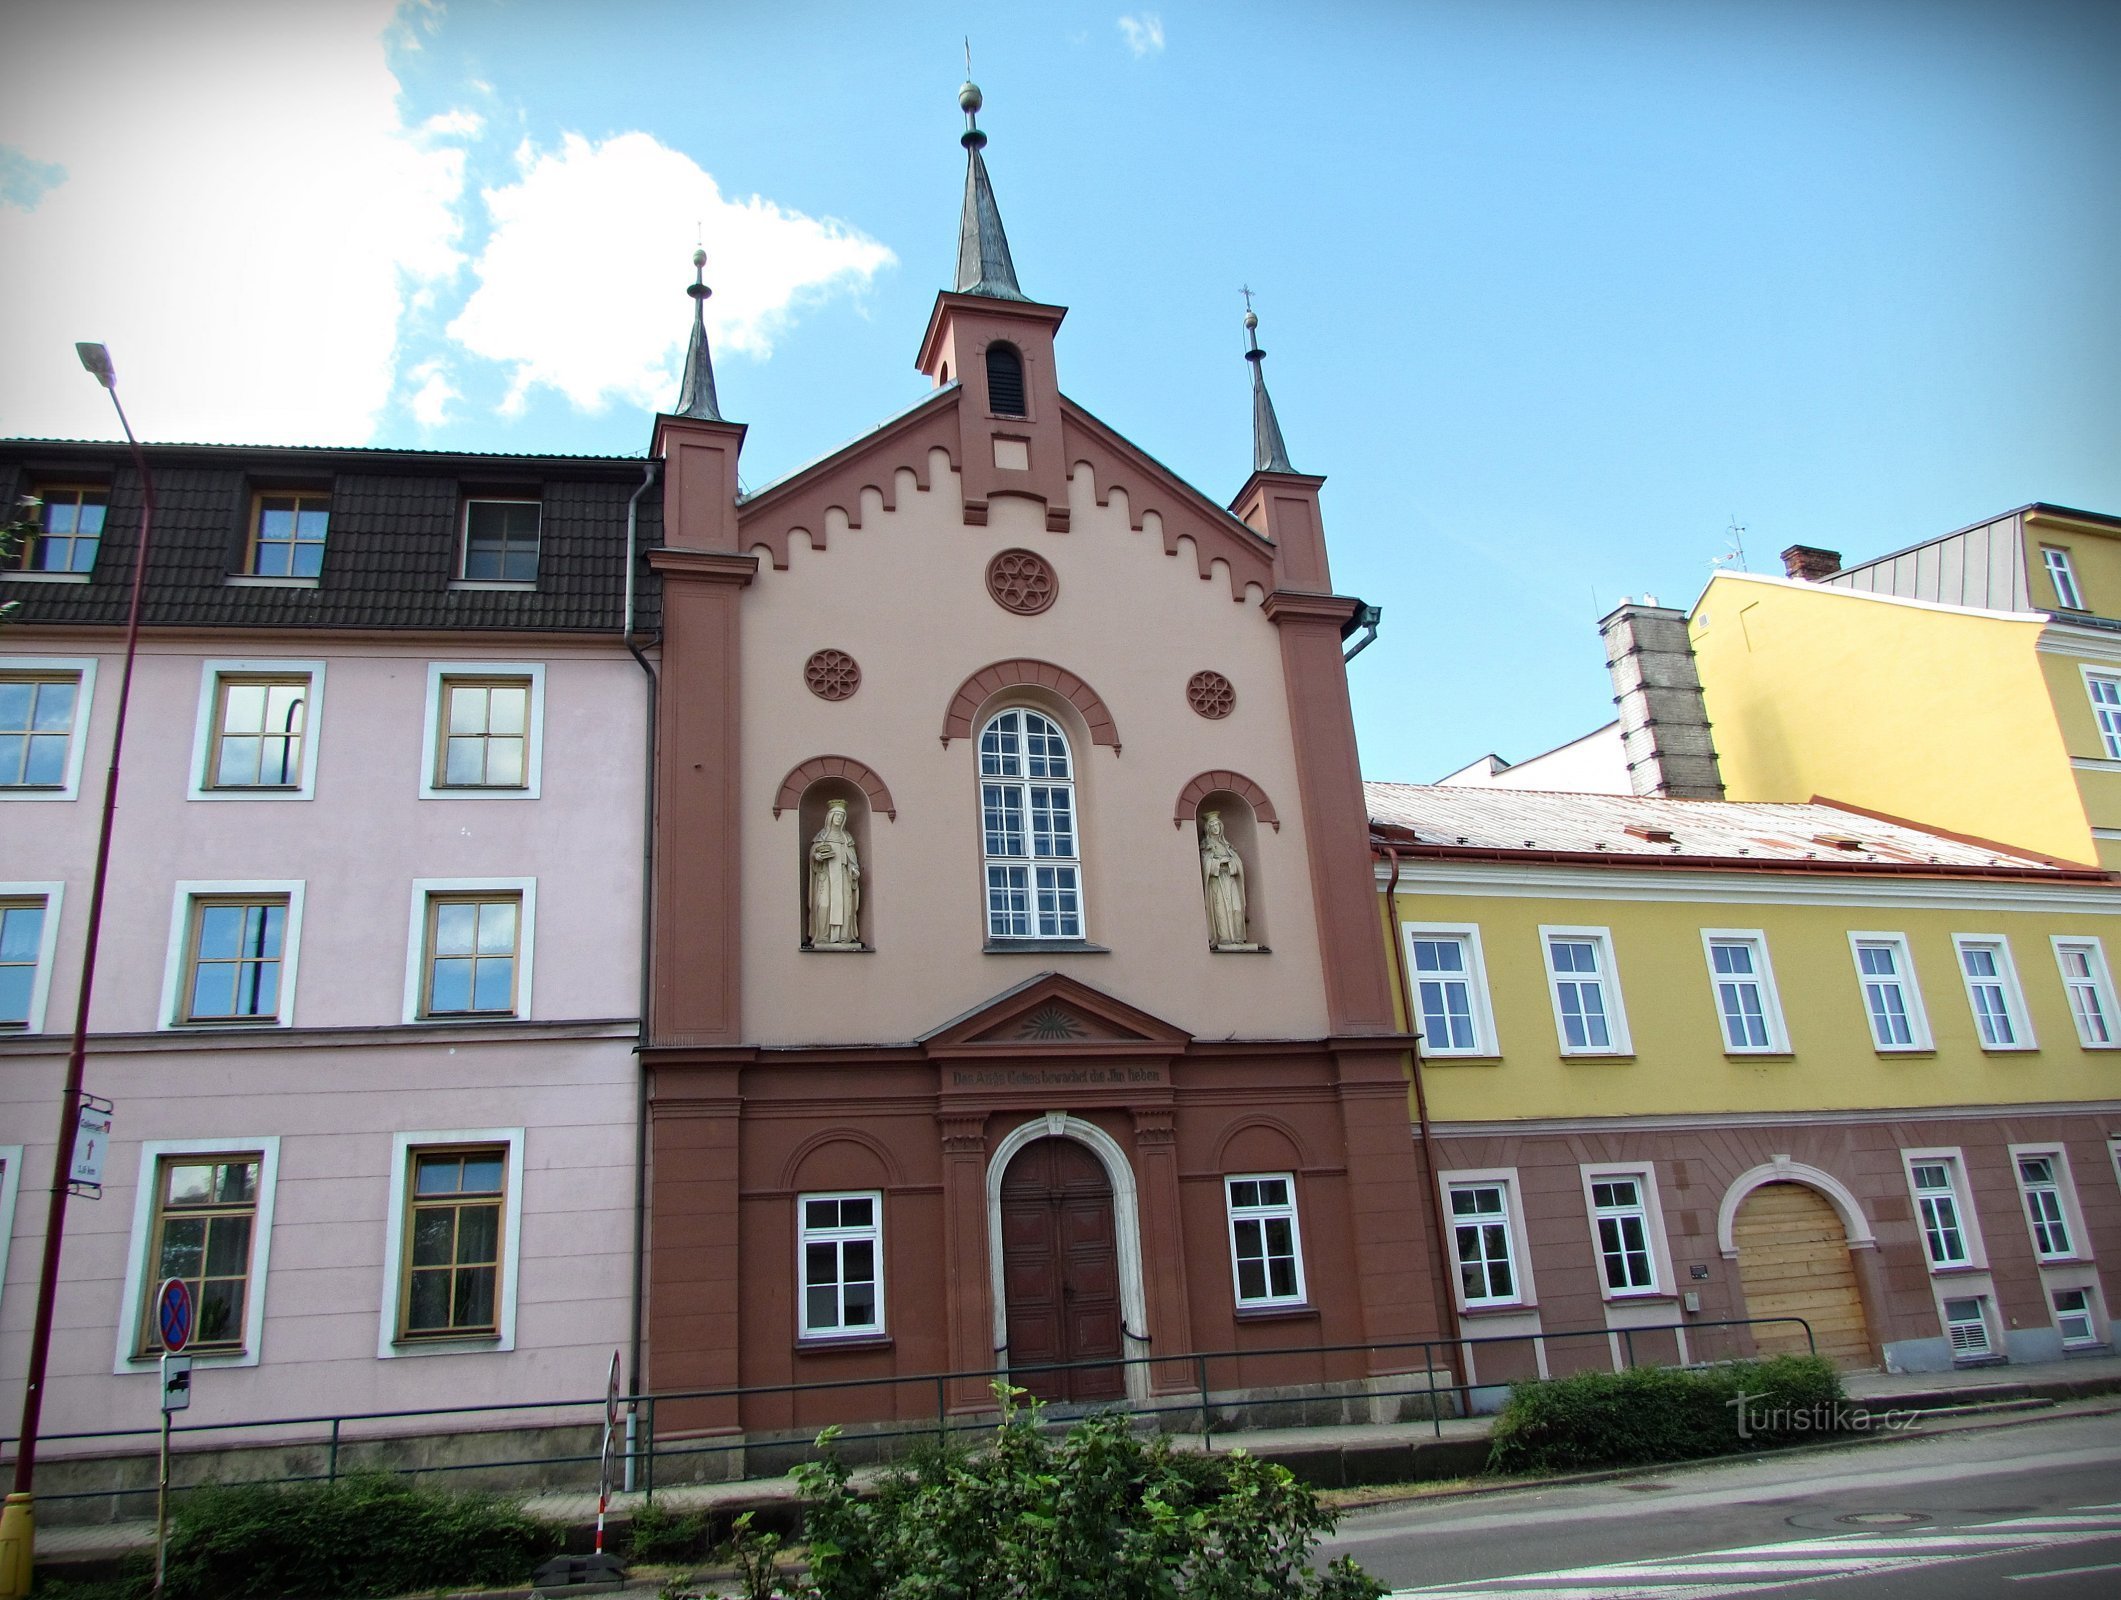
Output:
x=1241 y=827
x=811 y=810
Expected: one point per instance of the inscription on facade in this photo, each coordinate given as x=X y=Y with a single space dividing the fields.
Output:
x=1049 y=1077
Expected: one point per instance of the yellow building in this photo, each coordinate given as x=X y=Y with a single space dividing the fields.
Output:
x=1690 y=1061
x=1972 y=681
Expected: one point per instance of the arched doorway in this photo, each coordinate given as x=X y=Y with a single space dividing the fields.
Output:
x=1793 y=1261
x=1060 y=1270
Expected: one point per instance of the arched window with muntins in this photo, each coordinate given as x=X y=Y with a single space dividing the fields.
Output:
x=1005 y=381
x=1027 y=816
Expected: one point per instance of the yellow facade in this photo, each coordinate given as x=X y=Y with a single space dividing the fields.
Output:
x=1958 y=718
x=1679 y=1063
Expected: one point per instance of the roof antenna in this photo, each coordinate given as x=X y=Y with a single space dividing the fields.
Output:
x=1734 y=552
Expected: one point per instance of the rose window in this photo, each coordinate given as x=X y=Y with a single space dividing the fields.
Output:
x=1210 y=694
x=1022 y=582
x=832 y=675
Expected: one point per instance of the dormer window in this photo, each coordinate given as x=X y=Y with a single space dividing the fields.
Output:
x=501 y=541
x=1005 y=381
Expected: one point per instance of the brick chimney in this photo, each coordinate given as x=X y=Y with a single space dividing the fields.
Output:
x=1664 y=725
x=1810 y=563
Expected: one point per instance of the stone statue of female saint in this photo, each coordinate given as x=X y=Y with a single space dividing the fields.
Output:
x=835 y=884
x=1222 y=872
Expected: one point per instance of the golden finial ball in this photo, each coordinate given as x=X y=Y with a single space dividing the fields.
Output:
x=969 y=97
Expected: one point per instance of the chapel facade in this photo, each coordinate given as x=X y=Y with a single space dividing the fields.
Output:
x=1017 y=1000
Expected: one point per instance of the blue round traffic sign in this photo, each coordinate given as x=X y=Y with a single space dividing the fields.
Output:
x=173 y=1314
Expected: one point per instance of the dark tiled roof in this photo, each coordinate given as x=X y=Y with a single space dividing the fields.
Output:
x=389 y=556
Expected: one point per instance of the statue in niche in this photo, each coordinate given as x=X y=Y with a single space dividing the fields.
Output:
x=835 y=884
x=1222 y=873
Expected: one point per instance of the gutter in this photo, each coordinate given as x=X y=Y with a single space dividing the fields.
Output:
x=1446 y=1296
x=640 y=1108
x=1642 y=860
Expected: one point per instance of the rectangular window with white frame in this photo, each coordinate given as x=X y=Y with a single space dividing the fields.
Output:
x=29 y=937
x=468 y=949
x=2077 y=1317
x=2090 y=987
x=1450 y=979
x=1627 y=1229
x=257 y=730
x=1742 y=980
x=10 y=1189
x=203 y=1213
x=1481 y=1208
x=1266 y=1247
x=2050 y=1198
x=2063 y=575
x=44 y=705
x=233 y=953
x=2105 y=692
x=454 y=1242
x=501 y=541
x=840 y=1260
x=1992 y=991
x=485 y=730
x=1892 y=1000
x=1583 y=981
x=1949 y=1238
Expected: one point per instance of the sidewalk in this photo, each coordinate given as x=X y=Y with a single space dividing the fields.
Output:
x=1325 y=1457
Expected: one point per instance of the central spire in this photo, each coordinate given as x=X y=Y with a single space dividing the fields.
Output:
x=983 y=264
x=696 y=397
x=1269 y=454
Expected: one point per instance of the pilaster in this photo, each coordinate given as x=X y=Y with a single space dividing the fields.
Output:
x=1163 y=1245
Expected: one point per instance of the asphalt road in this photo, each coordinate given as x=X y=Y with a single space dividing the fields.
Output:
x=2029 y=1512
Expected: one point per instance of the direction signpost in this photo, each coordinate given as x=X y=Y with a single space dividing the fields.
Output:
x=173 y=1321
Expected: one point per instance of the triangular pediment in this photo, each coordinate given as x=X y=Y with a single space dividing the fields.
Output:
x=1054 y=1012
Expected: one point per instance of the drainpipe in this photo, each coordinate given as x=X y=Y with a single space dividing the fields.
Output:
x=1438 y=1244
x=640 y=1108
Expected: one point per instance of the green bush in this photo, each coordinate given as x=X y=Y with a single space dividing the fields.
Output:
x=658 y=1534
x=367 y=1535
x=1100 y=1515
x=1603 y=1419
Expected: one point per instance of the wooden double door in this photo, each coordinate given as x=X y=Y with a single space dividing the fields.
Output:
x=1060 y=1272
x=1793 y=1261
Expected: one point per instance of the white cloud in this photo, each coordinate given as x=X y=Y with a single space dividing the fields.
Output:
x=240 y=216
x=430 y=401
x=1144 y=34
x=580 y=281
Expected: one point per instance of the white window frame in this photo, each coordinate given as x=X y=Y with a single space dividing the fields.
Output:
x=2006 y=980
x=1616 y=1016
x=2106 y=714
x=2094 y=1312
x=176 y=965
x=1918 y=1022
x=1984 y=1303
x=1753 y=940
x=40 y=985
x=878 y=1329
x=2062 y=574
x=1030 y=861
x=10 y=1190
x=2064 y=1187
x=2100 y=982
x=425 y=889
x=210 y=675
x=1954 y=1164
x=1486 y=1040
x=402 y=1148
x=133 y=1312
x=431 y=730
x=1519 y=1257
x=1262 y=1214
x=1644 y=1176
x=84 y=668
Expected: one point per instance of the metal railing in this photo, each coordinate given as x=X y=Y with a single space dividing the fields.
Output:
x=1444 y=1382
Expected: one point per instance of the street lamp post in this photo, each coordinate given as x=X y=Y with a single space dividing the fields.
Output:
x=18 y=1525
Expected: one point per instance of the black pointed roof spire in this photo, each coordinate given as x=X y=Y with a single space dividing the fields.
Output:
x=983 y=264
x=1269 y=454
x=696 y=396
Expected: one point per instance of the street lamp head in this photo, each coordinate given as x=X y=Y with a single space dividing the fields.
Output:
x=97 y=360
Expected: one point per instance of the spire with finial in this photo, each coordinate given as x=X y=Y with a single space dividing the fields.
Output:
x=1269 y=454
x=696 y=396
x=983 y=264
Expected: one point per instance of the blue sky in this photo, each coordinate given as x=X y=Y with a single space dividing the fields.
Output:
x=1552 y=291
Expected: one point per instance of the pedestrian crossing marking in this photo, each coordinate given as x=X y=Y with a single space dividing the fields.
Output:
x=1752 y=1569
